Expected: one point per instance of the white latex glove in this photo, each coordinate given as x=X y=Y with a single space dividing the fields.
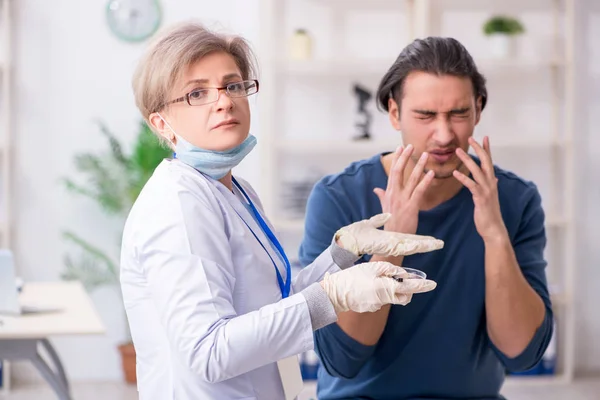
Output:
x=363 y=237
x=368 y=286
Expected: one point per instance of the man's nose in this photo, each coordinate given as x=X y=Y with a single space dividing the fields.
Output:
x=443 y=134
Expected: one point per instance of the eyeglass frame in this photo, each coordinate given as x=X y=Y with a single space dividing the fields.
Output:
x=186 y=97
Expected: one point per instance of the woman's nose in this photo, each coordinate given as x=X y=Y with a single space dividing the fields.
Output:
x=224 y=102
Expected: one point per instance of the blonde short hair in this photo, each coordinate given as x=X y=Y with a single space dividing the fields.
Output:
x=170 y=54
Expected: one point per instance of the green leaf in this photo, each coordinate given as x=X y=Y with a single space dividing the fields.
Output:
x=503 y=24
x=148 y=153
x=113 y=180
x=94 y=252
x=115 y=145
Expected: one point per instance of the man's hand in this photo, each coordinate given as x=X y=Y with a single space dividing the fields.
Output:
x=484 y=188
x=513 y=309
x=402 y=197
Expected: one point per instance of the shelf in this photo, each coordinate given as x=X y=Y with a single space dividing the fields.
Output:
x=506 y=6
x=490 y=65
x=560 y=299
x=544 y=70
x=340 y=67
x=497 y=7
x=535 y=380
x=363 y=4
x=556 y=221
x=370 y=147
x=345 y=67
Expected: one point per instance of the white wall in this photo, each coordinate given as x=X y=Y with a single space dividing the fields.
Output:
x=588 y=185
x=69 y=70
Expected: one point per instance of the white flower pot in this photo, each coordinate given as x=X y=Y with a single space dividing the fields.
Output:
x=502 y=46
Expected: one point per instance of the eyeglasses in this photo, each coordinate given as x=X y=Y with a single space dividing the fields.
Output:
x=200 y=97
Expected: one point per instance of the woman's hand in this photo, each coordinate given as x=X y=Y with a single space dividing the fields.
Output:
x=363 y=237
x=369 y=286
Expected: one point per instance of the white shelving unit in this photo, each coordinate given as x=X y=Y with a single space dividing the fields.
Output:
x=558 y=65
x=5 y=145
x=420 y=18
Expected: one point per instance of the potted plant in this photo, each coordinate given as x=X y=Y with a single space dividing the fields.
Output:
x=501 y=31
x=113 y=179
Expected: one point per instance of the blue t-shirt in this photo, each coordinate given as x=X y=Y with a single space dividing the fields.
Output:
x=437 y=346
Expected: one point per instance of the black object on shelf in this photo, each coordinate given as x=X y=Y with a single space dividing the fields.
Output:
x=364 y=116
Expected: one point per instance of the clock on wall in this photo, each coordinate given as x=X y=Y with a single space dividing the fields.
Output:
x=133 y=20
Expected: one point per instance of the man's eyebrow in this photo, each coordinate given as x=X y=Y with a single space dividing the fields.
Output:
x=453 y=111
x=460 y=110
x=425 y=112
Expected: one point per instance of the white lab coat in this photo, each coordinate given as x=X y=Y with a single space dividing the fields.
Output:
x=204 y=306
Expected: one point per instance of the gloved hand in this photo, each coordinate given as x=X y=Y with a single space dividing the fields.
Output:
x=368 y=286
x=363 y=237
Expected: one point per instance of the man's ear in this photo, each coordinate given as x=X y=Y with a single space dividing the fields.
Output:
x=394 y=113
x=158 y=124
x=478 y=107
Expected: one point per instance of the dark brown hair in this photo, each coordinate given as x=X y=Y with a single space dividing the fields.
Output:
x=433 y=55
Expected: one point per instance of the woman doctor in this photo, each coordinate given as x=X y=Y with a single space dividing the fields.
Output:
x=212 y=308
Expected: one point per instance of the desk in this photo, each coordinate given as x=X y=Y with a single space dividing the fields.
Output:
x=20 y=336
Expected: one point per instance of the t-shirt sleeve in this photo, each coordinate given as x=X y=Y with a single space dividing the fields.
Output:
x=326 y=212
x=528 y=244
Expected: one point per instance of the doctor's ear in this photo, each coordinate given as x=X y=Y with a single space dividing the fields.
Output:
x=158 y=125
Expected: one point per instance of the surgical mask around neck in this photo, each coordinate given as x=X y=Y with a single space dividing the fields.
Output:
x=215 y=164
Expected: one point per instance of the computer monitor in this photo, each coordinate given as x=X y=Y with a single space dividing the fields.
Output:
x=9 y=296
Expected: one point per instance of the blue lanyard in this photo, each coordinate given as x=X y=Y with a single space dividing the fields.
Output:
x=284 y=286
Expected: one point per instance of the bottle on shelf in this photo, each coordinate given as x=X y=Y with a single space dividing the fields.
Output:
x=300 y=45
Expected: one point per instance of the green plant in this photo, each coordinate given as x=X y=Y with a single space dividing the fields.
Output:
x=503 y=24
x=113 y=179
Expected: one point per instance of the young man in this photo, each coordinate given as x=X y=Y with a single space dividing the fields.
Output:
x=491 y=311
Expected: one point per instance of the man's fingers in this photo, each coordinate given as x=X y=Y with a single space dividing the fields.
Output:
x=465 y=180
x=397 y=172
x=486 y=160
x=391 y=183
x=419 y=191
x=416 y=174
x=380 y=193
x=477 y=173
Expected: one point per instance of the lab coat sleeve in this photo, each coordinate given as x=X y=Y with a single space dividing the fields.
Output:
x=332 y=260
x=185 y=256
x=528 y=244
